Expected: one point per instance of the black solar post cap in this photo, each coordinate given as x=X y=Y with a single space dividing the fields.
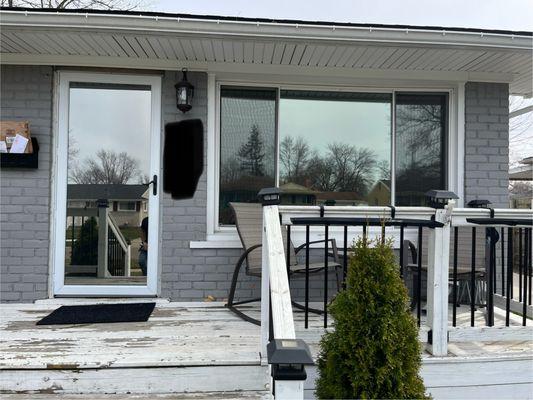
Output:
x=479 y=203
x=269 y=196
x=439 y=198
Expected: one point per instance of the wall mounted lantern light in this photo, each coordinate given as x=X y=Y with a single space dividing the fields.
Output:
x=184 y=93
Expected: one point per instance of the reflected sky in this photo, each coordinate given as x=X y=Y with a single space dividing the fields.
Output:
x=322 y=122
x=111 y=119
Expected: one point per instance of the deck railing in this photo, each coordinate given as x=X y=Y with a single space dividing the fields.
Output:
x=435 y=232
x=285 y=354
x=107 y=252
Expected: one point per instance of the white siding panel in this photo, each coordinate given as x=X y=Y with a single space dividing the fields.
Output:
x=393 y=58
x=248 y=52
x=83 y=46
x=483 y=65
x=40 y=43
x=267 y=53
x=7 y=48
x=383 y=56
x=124 y=44
x=238 y=52
x=135 y=46
x=412 y=58
x=110 y=40
x=298 y=53
x=218 y=49
x=317 y=54
x=14 y=42
x=355 y=56
x=156 y=46
x=62 y=41
x=345 y=57
x=326 y=56
x=228 y=51
x=336 y=56
x=278 y=53
x=167 y=47
x=198 y=49
x=259 y=49
x=288 y=53
x=187 y=48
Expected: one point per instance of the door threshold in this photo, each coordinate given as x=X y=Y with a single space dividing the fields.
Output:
x=100 y=300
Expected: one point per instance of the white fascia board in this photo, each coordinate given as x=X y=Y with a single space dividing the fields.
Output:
x=239 y=69
x=249 y=29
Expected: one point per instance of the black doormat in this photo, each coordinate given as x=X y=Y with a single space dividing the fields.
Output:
x=99 y=313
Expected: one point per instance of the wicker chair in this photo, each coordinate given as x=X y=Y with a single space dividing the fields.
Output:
x=249 y=222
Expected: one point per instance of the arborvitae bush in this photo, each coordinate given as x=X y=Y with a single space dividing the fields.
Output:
x=85 y=248
x=373 y=351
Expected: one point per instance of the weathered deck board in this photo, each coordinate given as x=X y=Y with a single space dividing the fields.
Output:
x=174 y=336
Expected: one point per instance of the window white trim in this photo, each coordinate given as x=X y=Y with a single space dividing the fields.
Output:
x=59 y=186
x=226 y=237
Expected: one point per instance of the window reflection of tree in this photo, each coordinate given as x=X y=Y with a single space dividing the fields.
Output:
x=419 y=132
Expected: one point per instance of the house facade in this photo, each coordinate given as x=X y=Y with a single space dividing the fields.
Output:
x=409 y=109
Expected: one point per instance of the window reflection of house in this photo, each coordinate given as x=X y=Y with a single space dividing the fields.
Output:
x=379 y=195
x=340 y=199
x=127 y=203
x=292 y=193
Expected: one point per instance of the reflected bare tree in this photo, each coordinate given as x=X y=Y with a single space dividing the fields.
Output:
x=294 y=156
x=342 y=168
x=109 y=167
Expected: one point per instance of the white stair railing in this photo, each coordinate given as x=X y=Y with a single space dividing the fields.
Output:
x=278 y=337
x=123 y=244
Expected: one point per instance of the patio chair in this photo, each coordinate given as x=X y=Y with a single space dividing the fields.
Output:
x=249 y=223
x=410 y=257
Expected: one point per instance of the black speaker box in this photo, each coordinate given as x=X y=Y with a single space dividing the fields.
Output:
x=183 y=157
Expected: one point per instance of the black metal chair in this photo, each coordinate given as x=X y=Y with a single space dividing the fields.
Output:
x=410 y=257
x=249 y=223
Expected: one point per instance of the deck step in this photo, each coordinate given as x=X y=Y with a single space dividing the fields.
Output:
x=152 y=380
x=235 y=395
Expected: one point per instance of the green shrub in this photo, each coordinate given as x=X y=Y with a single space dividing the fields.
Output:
x=373 y=351
x=85 y=248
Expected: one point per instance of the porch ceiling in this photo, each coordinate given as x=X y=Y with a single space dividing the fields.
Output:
x=207 y=44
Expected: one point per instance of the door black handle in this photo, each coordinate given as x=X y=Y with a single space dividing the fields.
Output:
x=153 y=182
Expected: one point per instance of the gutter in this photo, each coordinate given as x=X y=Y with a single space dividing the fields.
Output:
x=249 y=29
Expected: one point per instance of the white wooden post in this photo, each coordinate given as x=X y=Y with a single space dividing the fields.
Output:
x=438 y=262
x=128 y=261
x=290 y=390
x=265 y=292
x=102 y=240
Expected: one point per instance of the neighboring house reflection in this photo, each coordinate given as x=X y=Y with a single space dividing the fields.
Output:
x=127 y=203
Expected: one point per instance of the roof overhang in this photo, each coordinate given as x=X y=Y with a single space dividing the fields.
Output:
x=161 y=41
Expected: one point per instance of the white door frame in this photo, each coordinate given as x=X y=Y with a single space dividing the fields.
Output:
x=60 y=187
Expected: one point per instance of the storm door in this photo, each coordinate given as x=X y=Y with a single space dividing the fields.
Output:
x=107 y=195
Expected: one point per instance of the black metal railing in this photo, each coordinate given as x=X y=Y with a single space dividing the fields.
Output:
x=116 y=257
x=485 y=287
x=345 y=222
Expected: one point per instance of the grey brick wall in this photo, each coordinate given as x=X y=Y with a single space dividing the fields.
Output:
x=26 y=95
x=188 y=274
x=487 y=142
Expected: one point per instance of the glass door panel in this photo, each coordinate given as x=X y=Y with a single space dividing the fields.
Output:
x=108 y=196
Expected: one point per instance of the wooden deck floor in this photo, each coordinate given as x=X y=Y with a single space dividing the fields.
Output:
x=177 y=334
x=175 y=351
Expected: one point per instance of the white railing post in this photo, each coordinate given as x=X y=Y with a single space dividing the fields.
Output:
x=437 y=285
x=265 y=292
x=286 y=355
